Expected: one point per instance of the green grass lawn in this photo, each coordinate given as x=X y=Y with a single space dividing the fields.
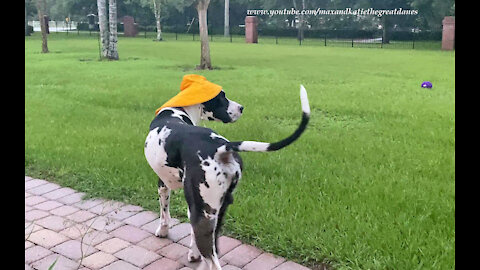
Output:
x=370 y=184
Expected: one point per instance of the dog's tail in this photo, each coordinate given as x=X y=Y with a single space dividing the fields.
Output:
x=252 y=146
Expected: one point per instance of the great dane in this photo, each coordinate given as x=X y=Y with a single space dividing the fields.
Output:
x=205 y=164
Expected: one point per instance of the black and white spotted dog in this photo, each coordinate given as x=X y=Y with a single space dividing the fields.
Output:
x=205 y=164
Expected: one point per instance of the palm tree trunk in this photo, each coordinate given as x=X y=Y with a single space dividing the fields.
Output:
x=103 y=25
x=112 y=42
x=301 y=27
x=41 y=7
x=205 y=62
x=156 y=10
x=226 y=31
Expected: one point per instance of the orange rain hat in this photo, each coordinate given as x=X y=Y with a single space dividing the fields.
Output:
x=194 y=89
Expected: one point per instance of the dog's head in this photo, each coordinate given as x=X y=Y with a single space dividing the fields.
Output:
x=221 y=109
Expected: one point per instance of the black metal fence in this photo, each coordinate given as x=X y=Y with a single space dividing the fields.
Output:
x=397 y=39
x=401 y=39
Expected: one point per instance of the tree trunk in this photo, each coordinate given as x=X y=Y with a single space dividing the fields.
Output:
x=103 y=25
x=302 y=23
x=294 y=20
x=226 y=31
x=156 y=11
x=42 y=7
x=205 y=62
x=112 y=42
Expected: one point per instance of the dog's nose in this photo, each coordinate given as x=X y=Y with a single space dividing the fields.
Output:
x=241 y=109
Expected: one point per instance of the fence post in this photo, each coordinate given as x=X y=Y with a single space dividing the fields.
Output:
x=325 y=39
x=276 y=39
x=352 y=42
x=381 y=45
x=193 y=35
x=230 y=38
x=413 y=41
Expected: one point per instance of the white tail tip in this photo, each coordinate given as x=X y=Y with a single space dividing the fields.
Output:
x=304 y=100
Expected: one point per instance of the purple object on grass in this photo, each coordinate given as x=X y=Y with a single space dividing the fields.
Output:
x=427 y=85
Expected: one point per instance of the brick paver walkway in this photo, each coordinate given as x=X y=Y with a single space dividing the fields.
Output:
x=109 y=235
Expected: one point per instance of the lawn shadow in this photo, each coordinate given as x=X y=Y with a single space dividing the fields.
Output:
x=186 y=68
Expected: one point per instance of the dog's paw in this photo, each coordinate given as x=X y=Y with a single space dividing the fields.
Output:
x=162 y=231
x=192 y=257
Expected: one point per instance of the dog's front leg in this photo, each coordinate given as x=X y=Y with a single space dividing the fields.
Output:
x=164 y=200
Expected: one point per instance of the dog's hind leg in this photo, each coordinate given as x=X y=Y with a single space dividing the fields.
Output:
x=164 y=200
x=204 y=222
x=193 y=254
x=227 y=201
x=204 y=233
